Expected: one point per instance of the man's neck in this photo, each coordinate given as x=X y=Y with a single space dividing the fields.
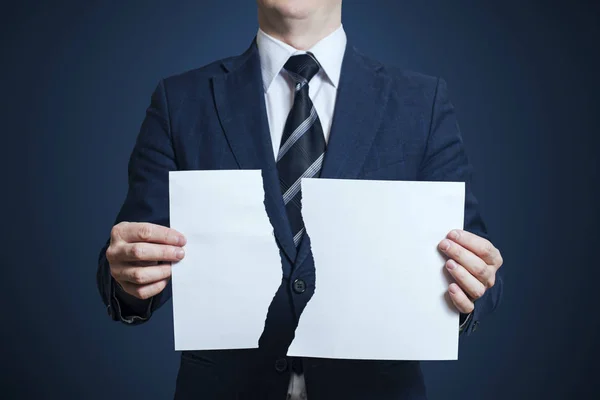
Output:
x=301 y=34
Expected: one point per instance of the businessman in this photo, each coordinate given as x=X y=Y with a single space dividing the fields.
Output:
x=301 y=101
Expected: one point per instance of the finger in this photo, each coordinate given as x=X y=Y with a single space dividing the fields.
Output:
x=150 y=252
x=483 y=248
x=475 y=265
x=132 y=232
x=467 y=282
x=147 y=263
x=143 y=275
x=144 y=292
x=116 y=255
x=460 y=299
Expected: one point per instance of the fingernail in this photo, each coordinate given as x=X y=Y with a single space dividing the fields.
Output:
x=180 y=240
x=452 y=289
x=445 y=245
x=179 y=253
x=454 y=235
x=450 y=265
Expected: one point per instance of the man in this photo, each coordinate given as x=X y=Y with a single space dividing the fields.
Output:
x=300 y=101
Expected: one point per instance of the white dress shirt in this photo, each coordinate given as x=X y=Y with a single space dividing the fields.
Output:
x=279 y=98
x=279 y=87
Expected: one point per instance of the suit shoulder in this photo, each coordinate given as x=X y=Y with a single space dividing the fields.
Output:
x=404 y=80
x=191 y=80
x=412 y=82
x=411 y=78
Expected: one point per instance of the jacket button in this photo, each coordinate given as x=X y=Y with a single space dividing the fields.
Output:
x=280 y=365
x=299 y=286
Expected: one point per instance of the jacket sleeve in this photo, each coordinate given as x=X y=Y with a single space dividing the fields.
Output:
x=147 y=201
x=445 y=160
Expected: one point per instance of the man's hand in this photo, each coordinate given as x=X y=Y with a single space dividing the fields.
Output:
x=140 y=256
x=473 y=262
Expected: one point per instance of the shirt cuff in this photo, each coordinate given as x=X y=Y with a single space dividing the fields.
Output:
x=464 y=318
x=130 y=310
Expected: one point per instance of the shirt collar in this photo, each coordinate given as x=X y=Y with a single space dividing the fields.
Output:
x=274 y=53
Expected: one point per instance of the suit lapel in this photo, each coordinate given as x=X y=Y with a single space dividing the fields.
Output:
x=239 y=99
x=361 y=99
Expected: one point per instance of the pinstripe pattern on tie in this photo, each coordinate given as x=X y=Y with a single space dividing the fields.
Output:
x=302 y=145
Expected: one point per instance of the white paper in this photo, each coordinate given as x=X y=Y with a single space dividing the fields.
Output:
x=231 y=271
x=380 y=280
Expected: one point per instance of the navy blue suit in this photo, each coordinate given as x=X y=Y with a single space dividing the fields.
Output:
x=388 y=124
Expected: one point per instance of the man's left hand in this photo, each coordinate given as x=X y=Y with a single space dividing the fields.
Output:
x=473 y=262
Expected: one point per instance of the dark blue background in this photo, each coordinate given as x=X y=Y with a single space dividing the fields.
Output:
x=76 y=79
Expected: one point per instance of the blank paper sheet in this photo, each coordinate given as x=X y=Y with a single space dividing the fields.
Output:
x=223 y=287
x=380 y=280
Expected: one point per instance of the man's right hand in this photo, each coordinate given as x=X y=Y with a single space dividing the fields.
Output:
x=140 y=256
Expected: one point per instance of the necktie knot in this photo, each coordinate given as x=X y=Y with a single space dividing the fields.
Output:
x=302 y=67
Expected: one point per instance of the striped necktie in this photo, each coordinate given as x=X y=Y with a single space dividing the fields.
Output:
x=302 y=145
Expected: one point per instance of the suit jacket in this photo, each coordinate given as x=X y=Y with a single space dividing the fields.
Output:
x=388 y=124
